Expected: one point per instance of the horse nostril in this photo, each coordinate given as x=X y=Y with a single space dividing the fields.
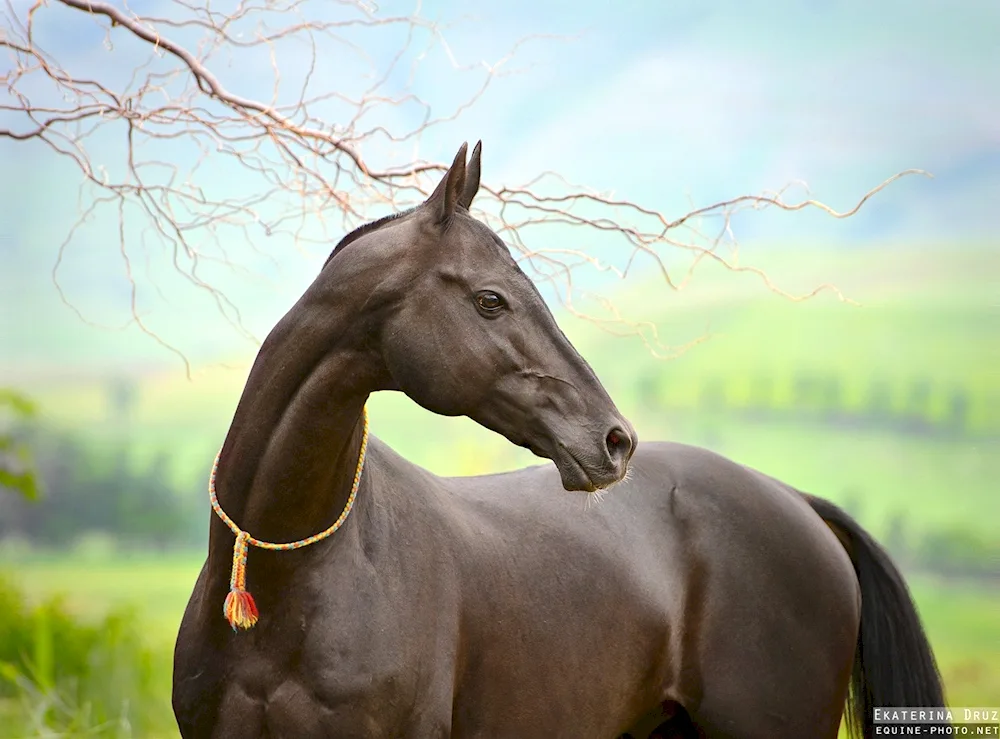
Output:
x=619 y=444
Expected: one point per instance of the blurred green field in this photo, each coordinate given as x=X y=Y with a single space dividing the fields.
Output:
x=890 y=408
x=786 y=387
x=924 y=326
x=933 y=481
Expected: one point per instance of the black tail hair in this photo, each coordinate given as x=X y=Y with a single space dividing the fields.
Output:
x=893 y=663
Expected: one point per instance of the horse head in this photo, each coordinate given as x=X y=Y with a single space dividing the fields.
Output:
x=463 y=331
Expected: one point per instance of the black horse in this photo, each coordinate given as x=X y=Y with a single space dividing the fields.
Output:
x=699 y=598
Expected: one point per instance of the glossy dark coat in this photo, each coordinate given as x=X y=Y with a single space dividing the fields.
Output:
x=698 y=598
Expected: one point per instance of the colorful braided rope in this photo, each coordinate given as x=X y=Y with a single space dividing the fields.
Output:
x=239 y=608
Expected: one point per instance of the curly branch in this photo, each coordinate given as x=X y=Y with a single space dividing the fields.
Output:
x=295 y=171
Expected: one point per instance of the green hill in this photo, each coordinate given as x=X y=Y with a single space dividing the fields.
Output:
x=892 y=406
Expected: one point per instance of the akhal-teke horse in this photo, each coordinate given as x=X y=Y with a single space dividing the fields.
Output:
x=699 y=598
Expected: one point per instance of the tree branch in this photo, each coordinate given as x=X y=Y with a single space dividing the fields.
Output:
x=145 y=147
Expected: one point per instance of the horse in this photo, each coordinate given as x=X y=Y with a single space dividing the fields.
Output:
x=698 y=598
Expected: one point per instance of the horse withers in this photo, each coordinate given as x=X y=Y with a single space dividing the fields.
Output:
x=698 y=598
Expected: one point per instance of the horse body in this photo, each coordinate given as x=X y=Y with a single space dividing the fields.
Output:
x=429 y=616
x=697 y=594
x=633 y=600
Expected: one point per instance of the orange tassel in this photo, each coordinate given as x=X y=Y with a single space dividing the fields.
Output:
x=239 y=608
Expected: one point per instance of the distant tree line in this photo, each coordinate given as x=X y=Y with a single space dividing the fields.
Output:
x=88 y=487
x=950 y=551
x=917 y=406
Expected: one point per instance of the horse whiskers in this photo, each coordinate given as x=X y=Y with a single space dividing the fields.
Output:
x=595 y=497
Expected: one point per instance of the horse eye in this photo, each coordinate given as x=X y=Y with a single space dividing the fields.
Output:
x=489 y=302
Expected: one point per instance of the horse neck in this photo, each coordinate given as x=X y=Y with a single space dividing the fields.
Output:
x=288 y=462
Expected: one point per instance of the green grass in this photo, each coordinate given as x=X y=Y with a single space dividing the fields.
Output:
x=157 y=586
x=63 y=673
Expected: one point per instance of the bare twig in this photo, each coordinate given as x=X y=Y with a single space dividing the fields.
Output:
x=299 y=176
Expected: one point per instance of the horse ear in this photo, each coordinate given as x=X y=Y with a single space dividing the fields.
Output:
x=444 y=199
x=472 y=178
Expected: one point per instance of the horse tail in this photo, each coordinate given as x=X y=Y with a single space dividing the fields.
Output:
x=893 y=663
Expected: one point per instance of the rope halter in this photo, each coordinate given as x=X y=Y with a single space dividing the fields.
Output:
x=239 y=608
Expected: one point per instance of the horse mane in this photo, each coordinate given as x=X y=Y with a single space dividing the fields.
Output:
x=364 y=229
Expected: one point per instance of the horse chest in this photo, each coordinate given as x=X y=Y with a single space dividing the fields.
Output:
x=333 y=676
x=297 y=706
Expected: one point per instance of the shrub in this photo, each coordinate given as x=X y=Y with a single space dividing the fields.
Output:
x=68 y=678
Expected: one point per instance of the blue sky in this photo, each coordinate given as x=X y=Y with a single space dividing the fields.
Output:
x=666 y=103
